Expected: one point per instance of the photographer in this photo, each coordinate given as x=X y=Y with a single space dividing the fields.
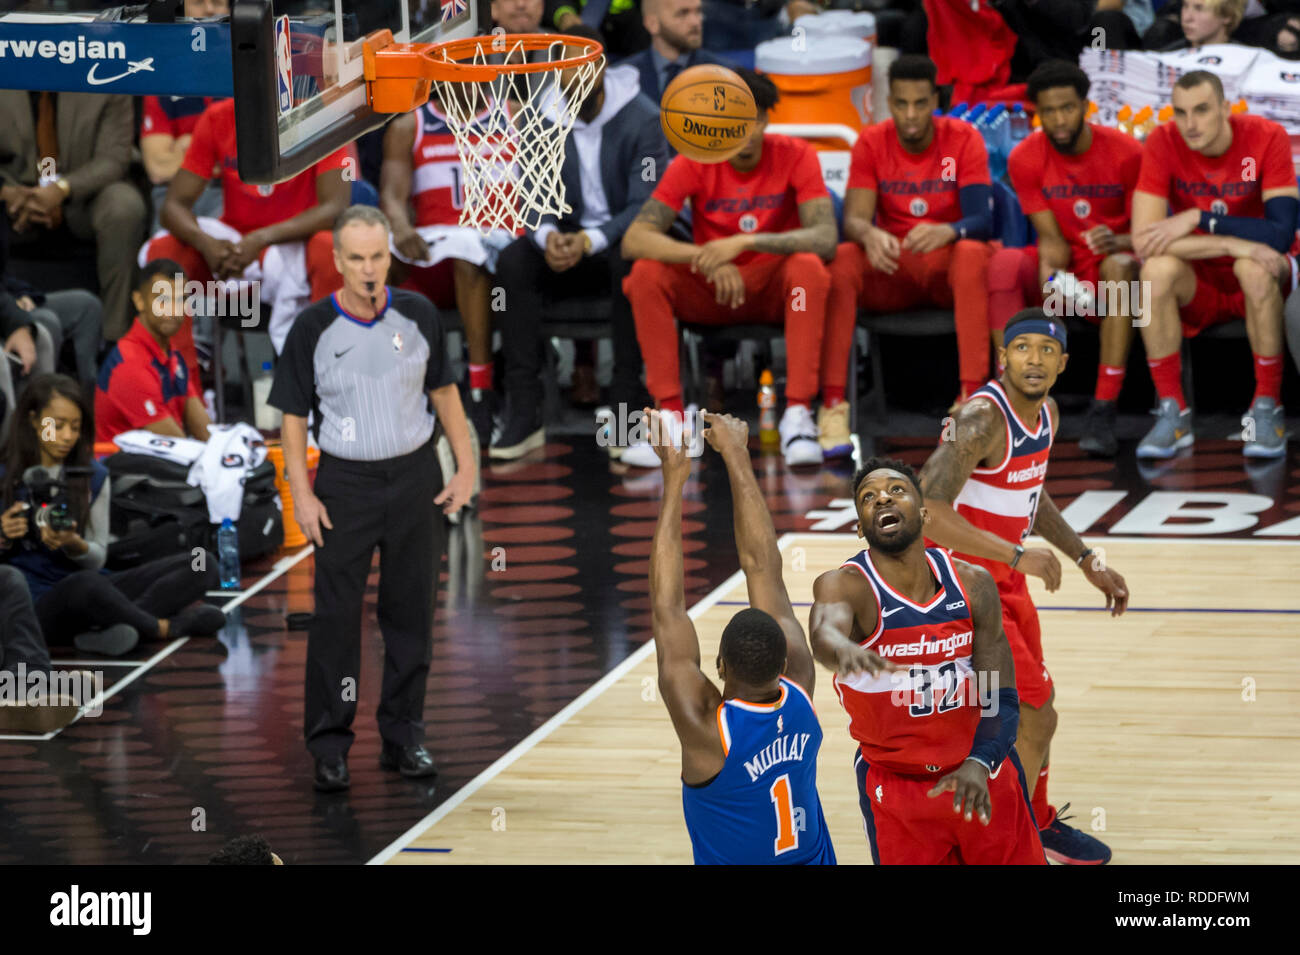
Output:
x=54 y=522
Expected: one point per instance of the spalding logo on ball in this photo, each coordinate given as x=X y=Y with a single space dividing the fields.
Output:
x=707 y=113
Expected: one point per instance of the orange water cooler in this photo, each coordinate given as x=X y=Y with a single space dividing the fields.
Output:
x=823 y=76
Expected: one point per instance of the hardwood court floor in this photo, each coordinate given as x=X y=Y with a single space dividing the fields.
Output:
x=1178 y=739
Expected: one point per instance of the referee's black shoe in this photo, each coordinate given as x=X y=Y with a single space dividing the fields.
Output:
x=519 y=431
x=332 y=775
x=412 y=762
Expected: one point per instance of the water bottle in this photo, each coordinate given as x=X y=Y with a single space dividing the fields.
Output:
x=1075 y=294
x=1019 y=124
x=959 y=111
x=767 y=433
x=975 y=112
x=228 y=554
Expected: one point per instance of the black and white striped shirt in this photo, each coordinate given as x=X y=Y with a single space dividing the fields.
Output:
x=365 y=382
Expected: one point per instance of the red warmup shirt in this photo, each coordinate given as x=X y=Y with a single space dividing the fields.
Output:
x=173 y=116
x=1233 y=184
x=1081 y=192
x=765 y=199
x=251 y=207
x=912 y=188
x=139 y=384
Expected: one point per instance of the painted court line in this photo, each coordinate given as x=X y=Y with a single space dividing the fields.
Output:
x=554 y=723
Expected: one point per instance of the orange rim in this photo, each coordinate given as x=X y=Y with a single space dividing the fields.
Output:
x=442 y=61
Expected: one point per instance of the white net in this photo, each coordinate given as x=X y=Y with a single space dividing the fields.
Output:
x=511 y=131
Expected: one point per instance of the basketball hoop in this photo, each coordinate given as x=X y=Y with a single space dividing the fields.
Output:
x=510 y=112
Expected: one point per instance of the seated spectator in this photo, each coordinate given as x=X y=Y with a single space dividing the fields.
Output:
x=616 y=131
x=449 y=264
x=76 y=603
x=519 y=16
x=1075 y=181
x=618 y=21
x=167 y=125
x=22 y=654
x=917 y=216
x=763 y=228
x=676 y=28
x=1198 y=23
x=1213 y=244
x=63 y=174
x=277 y=234
x=143 y=382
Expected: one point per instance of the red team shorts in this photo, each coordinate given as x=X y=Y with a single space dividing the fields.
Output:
x=907 y=827
x=1020 y=621
x=1217 y=299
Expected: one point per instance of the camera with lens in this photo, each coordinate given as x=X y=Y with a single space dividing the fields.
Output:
x=48 y=497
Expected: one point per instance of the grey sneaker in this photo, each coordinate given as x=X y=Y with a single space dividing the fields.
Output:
x=1173 y=431
x=1263 y=428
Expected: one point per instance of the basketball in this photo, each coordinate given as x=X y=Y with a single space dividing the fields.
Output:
x=707 y=112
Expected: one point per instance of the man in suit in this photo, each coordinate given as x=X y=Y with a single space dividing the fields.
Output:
x=63 y=166
x=615 y=155
x=676 y=30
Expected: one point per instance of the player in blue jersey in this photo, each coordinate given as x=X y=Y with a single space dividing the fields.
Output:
x=749 y=753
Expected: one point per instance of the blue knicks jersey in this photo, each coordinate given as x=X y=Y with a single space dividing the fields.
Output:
x=762 y=808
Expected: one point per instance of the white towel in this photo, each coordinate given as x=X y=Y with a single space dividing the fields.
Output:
x=231 y=453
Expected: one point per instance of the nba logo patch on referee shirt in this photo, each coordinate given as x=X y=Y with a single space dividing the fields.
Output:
x=397 y=341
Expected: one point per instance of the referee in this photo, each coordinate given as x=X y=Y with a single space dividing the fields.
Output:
x=369 y=365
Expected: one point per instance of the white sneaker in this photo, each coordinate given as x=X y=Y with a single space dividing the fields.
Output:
x=640 y=454
x=799 y=437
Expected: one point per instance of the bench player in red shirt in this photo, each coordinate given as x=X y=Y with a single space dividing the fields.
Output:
x=143 y=381
x=985 y=492
x=924 y=671
x=291 y=222
x=1075 y=181
x=763 y=228
x=1221 y=255
x=924 y=180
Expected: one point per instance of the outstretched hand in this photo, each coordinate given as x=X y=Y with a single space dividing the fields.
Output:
x=673 y=455
x=725 y=432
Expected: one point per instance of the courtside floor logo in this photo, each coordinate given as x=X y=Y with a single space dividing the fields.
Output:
x=76 y=908
x=80 y=48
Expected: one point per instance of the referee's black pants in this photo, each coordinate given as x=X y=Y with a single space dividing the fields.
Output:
x=386 y=504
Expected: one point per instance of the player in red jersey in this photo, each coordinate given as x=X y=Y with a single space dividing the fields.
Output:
x=925 y=182
x=985 y=491
x=915 y=640
x=1075 y=181
x=763 y=228
x=279 y=235
x=1221 y=255
x=434 y=255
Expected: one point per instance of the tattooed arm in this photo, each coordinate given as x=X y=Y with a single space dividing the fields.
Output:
x=817 y=233
x=646 y=237
x=975 y=434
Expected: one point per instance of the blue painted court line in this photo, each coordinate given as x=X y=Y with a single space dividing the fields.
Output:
x=808 y=603
x=409 y=849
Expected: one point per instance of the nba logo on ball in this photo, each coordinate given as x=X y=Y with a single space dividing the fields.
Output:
x=748 y=223
x=1219 y=207
x=1082 y=208
x=283 y=65
x=919 y=207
